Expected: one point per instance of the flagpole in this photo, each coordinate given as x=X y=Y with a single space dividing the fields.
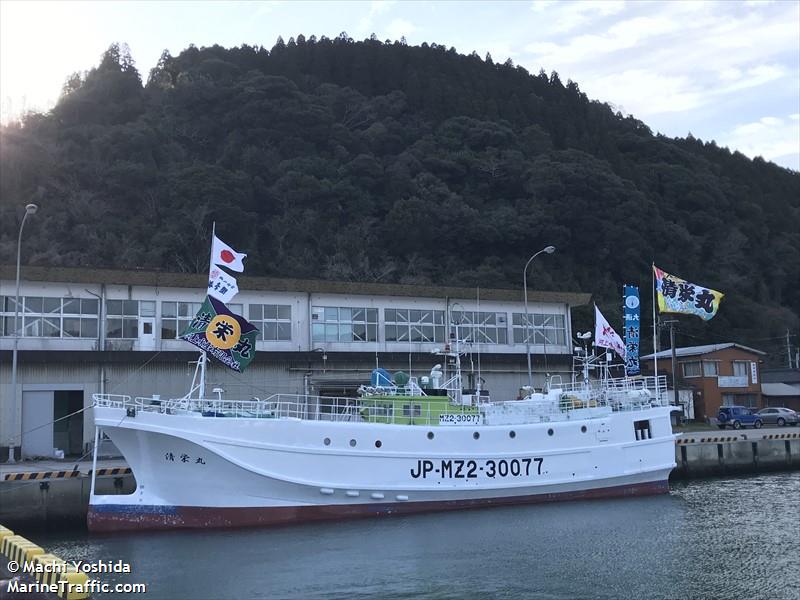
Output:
x=202 y=360
x=211 y=251
x=655 y=328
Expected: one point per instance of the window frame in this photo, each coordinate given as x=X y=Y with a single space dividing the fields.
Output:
x=340 y=324
x=697 y=363
x=60 y=311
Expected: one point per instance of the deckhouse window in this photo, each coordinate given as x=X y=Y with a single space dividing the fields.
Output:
x=344 y=324
x=50 y=317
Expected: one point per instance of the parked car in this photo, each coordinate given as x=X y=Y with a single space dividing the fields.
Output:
x=779 y=416
x=738 y=417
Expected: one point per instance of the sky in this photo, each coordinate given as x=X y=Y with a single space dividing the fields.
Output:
x=725 y=71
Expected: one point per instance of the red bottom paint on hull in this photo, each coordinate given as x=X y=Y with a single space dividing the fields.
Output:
x=121 y=518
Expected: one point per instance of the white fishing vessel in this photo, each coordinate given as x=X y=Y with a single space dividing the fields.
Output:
x=201 y=462
x=401 y=447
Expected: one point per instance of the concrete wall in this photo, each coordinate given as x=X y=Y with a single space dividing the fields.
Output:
x=740 y=456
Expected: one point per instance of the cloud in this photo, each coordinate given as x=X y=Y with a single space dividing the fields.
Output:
x=367 y=22
x=266 y=7
x=638 y=91
x=669 y=57
x=400 y=28
x=567 y=16
x=770 y=137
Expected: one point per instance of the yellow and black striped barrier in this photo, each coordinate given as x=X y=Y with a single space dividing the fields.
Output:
x=47 y=568
x=781 y=436
x=707 y=440
x=113 y=471
x=39 y=475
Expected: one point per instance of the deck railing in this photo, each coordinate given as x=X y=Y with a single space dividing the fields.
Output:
x=412 y=411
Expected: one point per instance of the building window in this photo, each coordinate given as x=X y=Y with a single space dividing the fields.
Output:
x=122 y=319
x=741 y=368
x=710 y=368
x=480 y=327
x=344 y=324
x=691 y=369
x=413 y=325
x=748 y=400
x=50 y=317
x=543 y=329
x=176 y=316
x=274 y=321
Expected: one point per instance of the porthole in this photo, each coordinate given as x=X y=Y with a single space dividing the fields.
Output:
x=352 y=443
x=583 y=428
x=378 y=443
x=512 y=434
x=430 y=435
x=549 y=432
x=327 y=441
x=476 y=435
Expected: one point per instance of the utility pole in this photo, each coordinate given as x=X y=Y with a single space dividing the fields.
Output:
x=788 y=349
x=671 y=323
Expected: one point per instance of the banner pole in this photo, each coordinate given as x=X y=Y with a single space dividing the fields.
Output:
x=211 y=251
x=655 y=334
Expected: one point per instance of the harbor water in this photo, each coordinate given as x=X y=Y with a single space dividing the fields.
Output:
x=736 y=537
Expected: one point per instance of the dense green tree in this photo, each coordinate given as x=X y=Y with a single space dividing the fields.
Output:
x=379 y=161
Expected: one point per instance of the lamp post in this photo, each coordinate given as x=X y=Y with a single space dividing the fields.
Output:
x=30 y=209
x=546 y=250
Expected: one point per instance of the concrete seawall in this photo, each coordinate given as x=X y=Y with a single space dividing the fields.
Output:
x=702 y=455
x=44 y=498
x=35 y=502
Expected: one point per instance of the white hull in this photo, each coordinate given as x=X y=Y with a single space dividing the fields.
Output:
x=195 y=471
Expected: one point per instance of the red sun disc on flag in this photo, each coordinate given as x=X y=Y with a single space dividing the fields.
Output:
x=227 y=256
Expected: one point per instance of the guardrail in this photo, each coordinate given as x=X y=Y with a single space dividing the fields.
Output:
x=618 y=394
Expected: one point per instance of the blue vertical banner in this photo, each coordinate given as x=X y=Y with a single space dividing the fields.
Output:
x=631 y=313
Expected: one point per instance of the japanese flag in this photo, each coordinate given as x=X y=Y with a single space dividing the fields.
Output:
x=605 y=336
x=225 y=256
x=221 y=285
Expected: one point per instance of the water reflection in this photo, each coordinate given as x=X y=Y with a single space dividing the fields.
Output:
x=721 y=538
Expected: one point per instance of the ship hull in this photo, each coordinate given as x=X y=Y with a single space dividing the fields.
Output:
x=194 y=471
x=122 y=517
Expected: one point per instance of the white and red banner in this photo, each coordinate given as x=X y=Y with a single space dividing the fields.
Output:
x=605 y=336
x=221 y=285
x=225 y=256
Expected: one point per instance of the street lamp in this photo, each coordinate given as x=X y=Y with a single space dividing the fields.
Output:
x=30 y=209
x=546 y=250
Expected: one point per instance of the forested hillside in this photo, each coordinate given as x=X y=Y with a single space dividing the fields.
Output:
x=378 y=161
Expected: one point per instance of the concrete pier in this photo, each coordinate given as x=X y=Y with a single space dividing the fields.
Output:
x=701 y=454
x=50 y=493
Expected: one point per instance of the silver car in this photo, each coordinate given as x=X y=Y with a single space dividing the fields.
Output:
x=778 y=416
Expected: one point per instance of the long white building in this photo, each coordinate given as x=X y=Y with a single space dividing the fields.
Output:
x=85 y=331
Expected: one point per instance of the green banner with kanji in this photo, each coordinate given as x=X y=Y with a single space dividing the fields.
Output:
x=229 y=338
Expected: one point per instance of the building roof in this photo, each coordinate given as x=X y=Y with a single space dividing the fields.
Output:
x=780 y=389
x=198 y=280
x=781 y=375
x=699 y=350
